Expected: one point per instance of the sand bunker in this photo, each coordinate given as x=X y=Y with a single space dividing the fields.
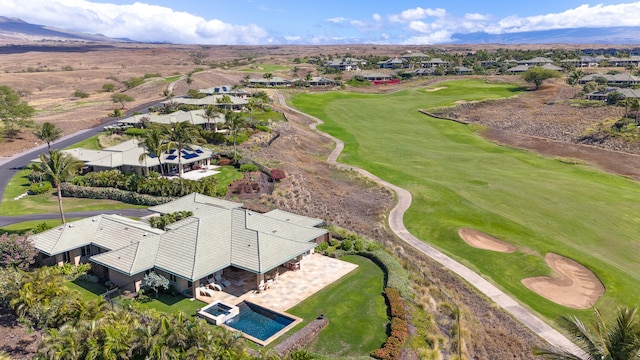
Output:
x=576 y=287
x=480 y=240
x=437 y=88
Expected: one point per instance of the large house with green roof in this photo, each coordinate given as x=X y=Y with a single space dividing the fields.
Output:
x=219 y=235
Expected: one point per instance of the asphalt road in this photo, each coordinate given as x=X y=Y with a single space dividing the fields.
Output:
x=9 y=166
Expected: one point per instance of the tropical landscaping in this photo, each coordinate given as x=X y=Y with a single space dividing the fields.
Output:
x=457 y=179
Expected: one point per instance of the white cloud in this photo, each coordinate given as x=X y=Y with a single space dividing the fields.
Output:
x=337 y=20
x=582 y=16
x=376 y=17
x=293 y=38
x=436 y=37
x=138 y=21
x=417 y=14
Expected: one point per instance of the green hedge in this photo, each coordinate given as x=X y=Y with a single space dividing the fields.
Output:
x=129 y=197
x=40 y=188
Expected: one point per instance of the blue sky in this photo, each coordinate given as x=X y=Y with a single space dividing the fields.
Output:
x=316 y=22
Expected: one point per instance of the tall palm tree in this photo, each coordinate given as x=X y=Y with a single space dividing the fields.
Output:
x=574 y=78
x=154 y=144
x=234 y=121
x=58 y=167
x=48 y=132
x=211 y=112
x=618 y=340
x=181 y=135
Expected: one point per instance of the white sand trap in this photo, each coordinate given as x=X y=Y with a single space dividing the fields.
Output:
x=436 y=89
x=576 y=287
x=480 y=240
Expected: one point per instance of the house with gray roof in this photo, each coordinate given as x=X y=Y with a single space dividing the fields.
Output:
x=225 y=90
x=582 y=61
x=621 y=80
x=536 y=61
x=345 y=64
x=434 y=63
x=394 y=63
x=219 y=236
x=194 y=117
x=220 y=100
x=275 y=81
x=126 y=158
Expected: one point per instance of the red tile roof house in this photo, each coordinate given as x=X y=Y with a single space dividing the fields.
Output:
x=219 y=235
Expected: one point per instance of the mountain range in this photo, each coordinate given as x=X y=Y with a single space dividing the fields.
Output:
x=14 y=30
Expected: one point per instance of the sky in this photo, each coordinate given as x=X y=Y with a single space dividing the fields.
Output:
x=263 y=22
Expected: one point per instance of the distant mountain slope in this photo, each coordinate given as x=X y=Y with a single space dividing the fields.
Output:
x=13 y=28
x=620 y=35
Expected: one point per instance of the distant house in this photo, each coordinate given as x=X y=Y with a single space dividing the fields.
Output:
x=619 y=61
x=345 y=64
x=319 y=81
x=394 y=63
x=414 y=57
x=434 y=63
x=126 y=158
x=220 y=236
x=623 y=79
x=601 y=95
x=236 y=103
x=377 y=76
x=461 y=70
x=582 y=61
x=194 y=117
x=523 y=68
x=225 y=90
x=537 y=61
x=518 y=69
x=275 y=81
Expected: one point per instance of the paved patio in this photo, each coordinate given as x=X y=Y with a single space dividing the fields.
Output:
x=291 y=287
x=199 y=173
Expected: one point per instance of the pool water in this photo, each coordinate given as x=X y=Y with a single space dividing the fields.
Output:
x=258 y=322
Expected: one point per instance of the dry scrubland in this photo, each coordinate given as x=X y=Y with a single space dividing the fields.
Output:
x=312 y=187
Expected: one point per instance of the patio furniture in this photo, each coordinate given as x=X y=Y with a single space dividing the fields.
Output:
x=221 y=280
x=261 y=287
x=214 y=286
x=269 y=283
x=212 y=282
x=206 y=292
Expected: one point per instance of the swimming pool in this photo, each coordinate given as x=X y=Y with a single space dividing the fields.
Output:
x=260 y=323
x=217 y=313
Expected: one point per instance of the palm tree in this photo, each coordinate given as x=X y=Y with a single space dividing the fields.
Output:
x=154 y=144
x=574 y=78
x=58 y=167
x=234 y=121
x=211 y=112
x=618 y=340
x=48 y=132
x=181 y=135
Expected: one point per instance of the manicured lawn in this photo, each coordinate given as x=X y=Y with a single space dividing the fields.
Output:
x=88 y=290
x=356 y=311
x=91 y=143
x=23 y=227
x=227 y=175
x=266 y=68
x=457 y=179
x=171 y=304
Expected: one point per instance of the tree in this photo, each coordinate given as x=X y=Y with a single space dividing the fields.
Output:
x=614 y=97
x=181 y=135
x=154 y=144
x=121 y=99
x=211 y=112
x=16 y=251
x=57 y=167
x=268 y=76
x=14 y=113
x=617 y=340
x=48 y=132
x=155 y=282
x=234 y=121
x=538 y=75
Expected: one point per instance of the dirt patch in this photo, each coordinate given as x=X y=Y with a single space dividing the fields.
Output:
x=15 y=339
x=480 y=240
x=575 y=286
x=436 y=88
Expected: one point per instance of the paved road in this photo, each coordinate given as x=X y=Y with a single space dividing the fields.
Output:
x=396 y=223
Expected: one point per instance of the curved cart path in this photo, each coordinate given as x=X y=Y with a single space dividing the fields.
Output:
x=396 y=223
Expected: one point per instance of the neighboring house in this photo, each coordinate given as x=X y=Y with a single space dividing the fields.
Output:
x=518 y=69
x=377 y=76
x=434 y=63
x=346 y=64
x=623 y=79
x=423 y=72
x=461 y=70
x=237 y=103
x=220 y=234
x=394 y=63
x=523 y=68
x=550 y=66
x=194 y=117
x=275 y=81
x=126 y=158
x=414 y=57
x=619 y=62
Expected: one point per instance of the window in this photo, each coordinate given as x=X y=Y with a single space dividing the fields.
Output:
x=173 y=278
x=86 y=250
x=66 y=257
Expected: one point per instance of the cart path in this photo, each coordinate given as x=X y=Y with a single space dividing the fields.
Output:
x=525 y=316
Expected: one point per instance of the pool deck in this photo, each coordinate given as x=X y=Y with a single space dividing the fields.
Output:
x=291 y=287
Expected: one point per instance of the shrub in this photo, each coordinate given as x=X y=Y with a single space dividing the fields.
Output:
x=41 y=227
x=322 y=247
x=40 y=188
x=108 y=87
x=128 y=197
x=334 y=242
x=278 y=174
x=135 y=132
x=346 y=245
x=81 y=94
x=357 y=245
x=133 y=82
x=88 y=278
x=16 y=251
x=248 y=168
x=398 y=331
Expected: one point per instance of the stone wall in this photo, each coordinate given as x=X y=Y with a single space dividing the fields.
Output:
x=303 y=337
